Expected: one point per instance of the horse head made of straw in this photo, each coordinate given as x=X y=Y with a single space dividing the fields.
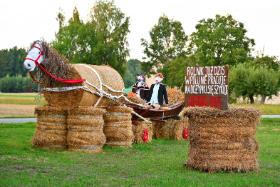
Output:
x=47 y=67
x=35 y=54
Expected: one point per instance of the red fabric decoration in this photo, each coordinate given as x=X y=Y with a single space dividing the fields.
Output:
x=185 y=133
x=145 y=136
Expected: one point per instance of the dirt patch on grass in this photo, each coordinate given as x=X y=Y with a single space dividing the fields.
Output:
x=13 y=110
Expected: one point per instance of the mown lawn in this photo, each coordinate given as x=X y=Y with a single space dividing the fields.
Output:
x=21 y=98
x=159 y=163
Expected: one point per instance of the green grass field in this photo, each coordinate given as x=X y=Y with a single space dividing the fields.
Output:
x=159 y=163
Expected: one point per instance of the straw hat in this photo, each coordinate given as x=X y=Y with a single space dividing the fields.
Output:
x=160 y=75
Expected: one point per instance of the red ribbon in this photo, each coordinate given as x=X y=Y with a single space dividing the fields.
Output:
x=58 y=79
x=185 y=133
x=145 y=136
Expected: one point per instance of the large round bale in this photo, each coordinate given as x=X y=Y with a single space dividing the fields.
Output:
x=103 y=78
x=143 y=131
x=176 y=129
x=222 y=140
x=51 y=128
x=85 y=129
x=118 y=126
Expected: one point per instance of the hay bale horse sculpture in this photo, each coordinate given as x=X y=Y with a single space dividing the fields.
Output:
x=71 y=85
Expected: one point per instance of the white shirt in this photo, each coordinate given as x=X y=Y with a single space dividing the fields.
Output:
x=154 y=98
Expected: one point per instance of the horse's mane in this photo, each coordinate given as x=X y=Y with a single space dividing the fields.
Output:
x=56 y=64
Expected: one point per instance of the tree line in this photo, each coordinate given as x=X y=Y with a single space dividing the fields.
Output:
x=12 y=74
x=102 y=39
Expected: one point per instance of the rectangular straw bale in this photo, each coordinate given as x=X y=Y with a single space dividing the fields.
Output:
x=118 y=126
x=85 y=129
x=140 y=128
x=170 y=129
x=51 y=129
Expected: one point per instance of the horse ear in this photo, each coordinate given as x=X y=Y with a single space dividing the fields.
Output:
x=33 y=43
x=45 y=49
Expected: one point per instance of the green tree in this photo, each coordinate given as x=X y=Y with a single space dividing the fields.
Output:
x=175 y=71
x=249 y=81
x=133 y=68
x=266 y=83
x=220 y=41
x=75 y=40
x=168 y=41
x=241 y=81
x=111 y=27
x=101 y=40
x=270 y=62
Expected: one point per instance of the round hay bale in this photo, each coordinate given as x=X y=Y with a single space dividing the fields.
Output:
x=93 y=74
x=143 y=131
x=51 y=128
x=222 y=140
x=85 y=129
x=118 y=126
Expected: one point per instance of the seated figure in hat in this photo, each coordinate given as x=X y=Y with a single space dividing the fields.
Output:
x=158 y=93
x=140 y=87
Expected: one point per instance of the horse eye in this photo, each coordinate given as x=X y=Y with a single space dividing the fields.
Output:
x=39 y=52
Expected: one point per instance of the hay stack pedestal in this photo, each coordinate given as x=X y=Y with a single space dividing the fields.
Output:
x=118 y=126
x=85 y=129
x=51 y=128
x=223 y=140
x=143 y=131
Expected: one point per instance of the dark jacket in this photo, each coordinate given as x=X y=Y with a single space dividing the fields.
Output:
x=144 y=90
x=162 y=94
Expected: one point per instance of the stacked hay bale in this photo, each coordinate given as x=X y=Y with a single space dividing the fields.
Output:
x=85 y=129
x=51 y=128
x=118 y=126
x=171 y=129
x=223 y=140
x=143 y=131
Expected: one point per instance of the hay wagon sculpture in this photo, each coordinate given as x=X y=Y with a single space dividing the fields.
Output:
x=86 y=106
